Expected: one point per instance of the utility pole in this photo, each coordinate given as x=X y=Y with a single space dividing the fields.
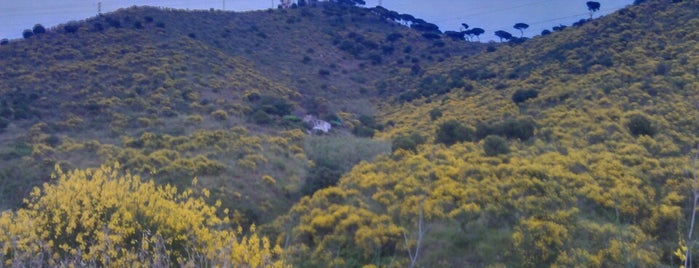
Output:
x=99 y=8
x=224 y=5
x=380 y=3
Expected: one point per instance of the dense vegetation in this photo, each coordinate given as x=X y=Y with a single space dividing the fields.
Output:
x=569 y=149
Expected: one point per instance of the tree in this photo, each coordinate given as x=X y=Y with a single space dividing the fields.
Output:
x=465 y=26
x=503 y=35
x=27 y=33
x=453 y=131
x=545 y=32
x=521 y=27
x=4 y=41
x=71 y=27
x=39 y=29
x=639 y=124
x=477 y=32
x=593 y=6
x=456 y=36
x=494 y=145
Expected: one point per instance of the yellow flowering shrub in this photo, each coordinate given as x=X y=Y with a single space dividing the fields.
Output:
x=100 y=217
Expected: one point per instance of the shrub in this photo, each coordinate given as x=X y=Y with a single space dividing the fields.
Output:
x=639 y=124
x=512 y=128
x=71 y=27
x=408 y=143
x=435 y=113
x=98 y=27
x=4 y=41
x=494 y=145
x=27 y=34
x=323 y=72
x=393 y=37
x=100 y=217
x=260 y=117
x=38 y=29
x=522 y=95
x=363 y=131
x=220 y=115
x=453 y=131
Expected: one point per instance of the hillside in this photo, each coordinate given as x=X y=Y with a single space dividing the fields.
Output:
x=572 y=149
x=175 y=94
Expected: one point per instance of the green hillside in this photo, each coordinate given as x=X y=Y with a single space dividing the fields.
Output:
x=174 y=94
x=572 y=149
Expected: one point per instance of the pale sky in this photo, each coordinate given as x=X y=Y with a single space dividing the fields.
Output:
x=491 y=15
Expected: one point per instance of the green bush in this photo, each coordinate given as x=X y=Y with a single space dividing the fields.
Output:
x=521 y=128
x=639 y=124
x=409 y=142
x=453 y=131
x=494 y=145
x=522 y=95
x=435 y=113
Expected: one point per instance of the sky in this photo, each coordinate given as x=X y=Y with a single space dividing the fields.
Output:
x=491 y=15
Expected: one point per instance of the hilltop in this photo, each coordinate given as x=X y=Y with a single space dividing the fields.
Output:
x=569 y=149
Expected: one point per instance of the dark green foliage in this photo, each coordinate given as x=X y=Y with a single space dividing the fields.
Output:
x=495 y=145
x=639 y=124
x=512 y=128
x=503 y=35
x=366 y=128
x=545 y=32
x=521 y=27
x=431 y=35
x=272 y=105
x=323 y=72
x=98 y=27
x=192 y=35
x=332 y=156
x=160 y=24
x=394 y=37
x=4 y=41
x=425 y=27
x=27 y=34
x=409 y=142
x=306 y=59
x=260 y=117
x=375 y=59
x=452 y=132
x=113 y=22
x=38 y=29
x=593 y=6
x=363 y=131
x=148 y=19
x=522 y=95
x=71 y=27
x=53 y=140
x=138 y=25
x=435 y=113
x=456 y=36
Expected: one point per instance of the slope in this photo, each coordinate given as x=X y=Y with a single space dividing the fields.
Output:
x=571 y=149
x=174 y=94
